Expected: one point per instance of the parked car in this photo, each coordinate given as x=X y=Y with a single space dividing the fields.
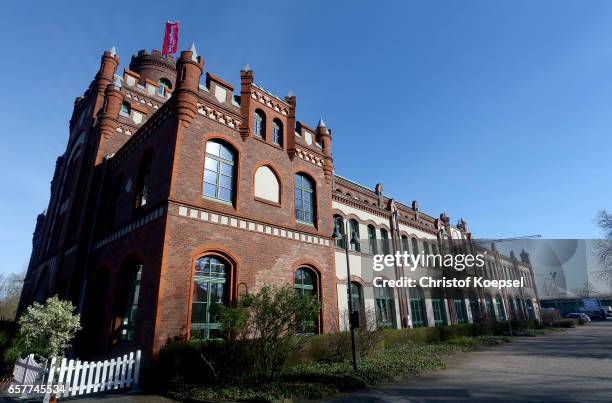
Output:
x=596 y=316
x=578 y=315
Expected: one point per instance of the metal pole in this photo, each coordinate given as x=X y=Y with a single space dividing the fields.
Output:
x=346 y=240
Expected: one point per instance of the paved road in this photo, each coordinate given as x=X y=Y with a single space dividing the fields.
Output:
x=569 y=366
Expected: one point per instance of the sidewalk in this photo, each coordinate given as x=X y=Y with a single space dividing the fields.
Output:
x=570 y=366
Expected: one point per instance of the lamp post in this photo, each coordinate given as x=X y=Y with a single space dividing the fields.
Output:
x=352 y=320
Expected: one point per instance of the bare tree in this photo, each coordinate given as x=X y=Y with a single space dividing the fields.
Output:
x=604 y=247
x=587 y=290
x=10 y=291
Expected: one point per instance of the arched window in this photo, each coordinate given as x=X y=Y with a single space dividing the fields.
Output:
x=304 y=199
x=259 y=124
x=132 y=275
x=437 y=304
x=384 y=239
x=339 y=227
x=512 y=314
x=164 y=84
x=305 y=284
x=384 y=306
x=519 y=308
x=405 y=244
x=415 y=246
x=219 y=172
x=142 y=182
x=210 y=293
x=267 y=185
x=277 y=132
x=475 y=308
x=490 y=308
x=372 y=239
x=460 y=309
x=501 y=314
x=417 y=307
x=358 y=304
x=530 y=310
x=354 y=228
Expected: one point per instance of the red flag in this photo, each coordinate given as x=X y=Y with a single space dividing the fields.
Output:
x=170 y=38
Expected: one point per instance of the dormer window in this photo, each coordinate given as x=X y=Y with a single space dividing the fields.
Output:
x=164 y=84
x=259 y=124
x=126 y=109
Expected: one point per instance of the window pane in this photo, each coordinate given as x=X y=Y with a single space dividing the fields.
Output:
x=226 y=153
x=225 y=181
x=211 y=164
x=307 y=206
x=210 y=176
x=210 y=190
x=213 y=148
x=227 y=169
x=298 y=180
x=306 y=183
x=225 y=194
x=299 y=215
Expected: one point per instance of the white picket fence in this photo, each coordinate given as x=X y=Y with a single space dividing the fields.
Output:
x=76 y=378
x=29 y=372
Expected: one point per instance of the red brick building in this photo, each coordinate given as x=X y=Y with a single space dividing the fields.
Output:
x=174 y=197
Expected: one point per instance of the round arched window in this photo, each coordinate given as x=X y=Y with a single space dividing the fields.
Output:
x=210 y=293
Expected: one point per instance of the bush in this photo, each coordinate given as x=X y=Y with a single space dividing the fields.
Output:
x=566 y=323
x=261 y=332
x=45 y=330
x=268 y=323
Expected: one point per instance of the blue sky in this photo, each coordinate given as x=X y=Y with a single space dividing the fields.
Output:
x=497 y=112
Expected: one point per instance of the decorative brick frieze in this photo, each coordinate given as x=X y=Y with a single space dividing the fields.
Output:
x=153 y=215
x=247 y=225
x=271 y=101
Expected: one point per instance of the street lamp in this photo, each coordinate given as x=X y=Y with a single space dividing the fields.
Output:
x=353 y=319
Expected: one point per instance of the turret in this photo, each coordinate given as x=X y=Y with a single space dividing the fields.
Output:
x=325 y=137
x=246 y=81
x=188 y=71
x=105 y=76
x=154 y=67
x=108 y=123
x=290 y=99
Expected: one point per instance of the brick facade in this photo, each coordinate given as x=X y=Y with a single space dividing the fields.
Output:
x=127 y=134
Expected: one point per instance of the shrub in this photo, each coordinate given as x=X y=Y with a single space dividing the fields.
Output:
x=567 y=323
x=45 y=330
x=270 y=320
x=261 y=331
